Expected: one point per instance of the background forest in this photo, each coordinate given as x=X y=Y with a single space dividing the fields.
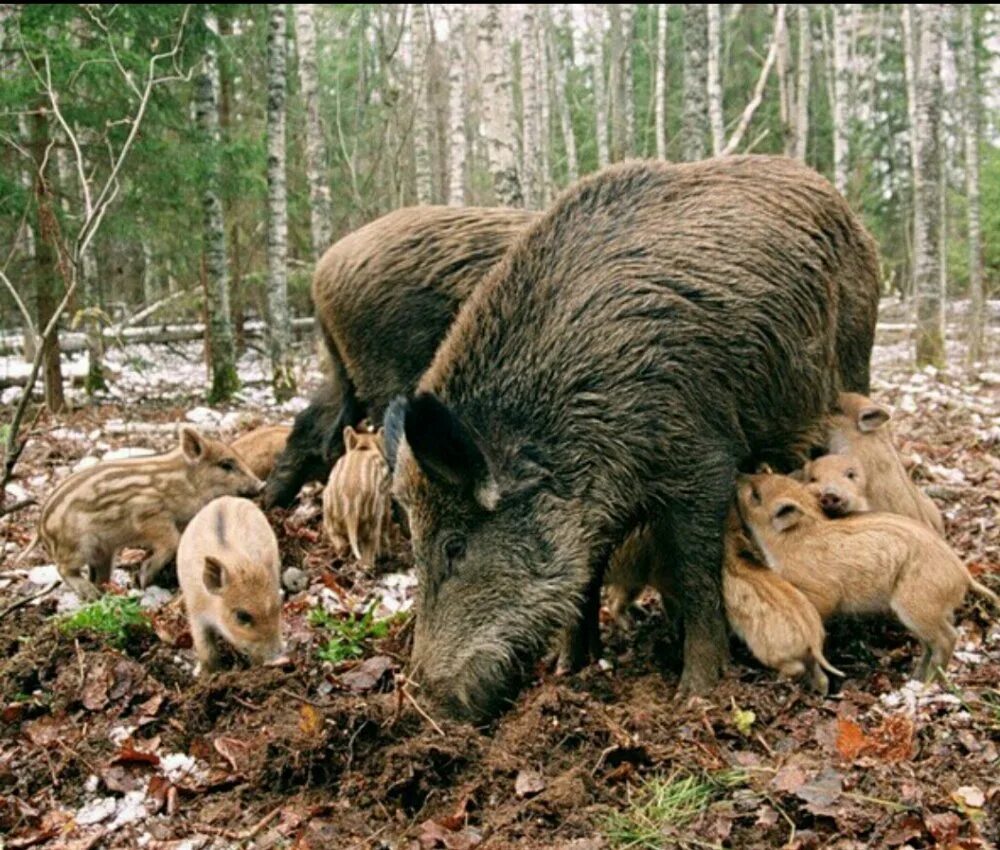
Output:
x=191 y=162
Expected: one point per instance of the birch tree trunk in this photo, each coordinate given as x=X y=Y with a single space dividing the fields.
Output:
x=927 y=187
x=498 y=108
x=842 y=15
x=910 y=70
x=714 y=77
x=222 y=352
x=628 y=77
x=786 y=92
x=421 y=107
x=660 y=87
x=970 y=87
x=544 y=112
x=695 y=117
x=530 y=148
x=595 y=52
x=802 y=82
x=562 y=104
x=616 y=81
x=320 y=216
x=280 y=325
x=456 y=106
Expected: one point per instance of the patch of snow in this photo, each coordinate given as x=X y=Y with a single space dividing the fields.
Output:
x=991 y=379
x=177 y=766
x=10 y=396
x=67 y=602
x=397 y=590
x=908 y=404
x=948 y=475
x=122 y=577
x=67 y=434
x=15 y=492
x=203 y=416
x=92 y=783
x=131 y=808
x=120 y=734
x=96 y=811
x=43 y=576
x=154 y=596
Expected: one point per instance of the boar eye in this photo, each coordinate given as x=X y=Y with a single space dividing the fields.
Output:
x=243 y=617
x=227 y=465
x=851 y=474
x=454 y=550
x=755 y=494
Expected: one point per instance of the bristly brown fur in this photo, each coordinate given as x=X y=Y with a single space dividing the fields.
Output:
x=661 y=327
x=384 y=297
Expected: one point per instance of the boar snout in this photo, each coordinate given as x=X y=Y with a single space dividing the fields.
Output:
x=832 y=503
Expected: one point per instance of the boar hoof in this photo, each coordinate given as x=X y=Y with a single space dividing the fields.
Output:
x=697 y=681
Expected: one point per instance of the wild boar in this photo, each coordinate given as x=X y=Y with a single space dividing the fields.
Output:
x=861 y=428
x=867 y=563
x=142 y=501
x=839 y=483
x=356 y=501
x=660 y=327
x=384 y=296
x=229 y=570
x=261 y=447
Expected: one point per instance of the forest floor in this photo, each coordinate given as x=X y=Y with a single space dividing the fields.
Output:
x=108 y=741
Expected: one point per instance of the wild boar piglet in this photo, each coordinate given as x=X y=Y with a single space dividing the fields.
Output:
x=261 y=447
x=229 y=570
x=861 y=428
x=142 y=502
x=867 y=563
x=357 y=501
x=838 y=482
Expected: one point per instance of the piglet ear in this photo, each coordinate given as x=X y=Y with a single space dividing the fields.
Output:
x=350 y=438
x=872 y=417
x=446 y=450
x=786 y=515
x=214 y=574
x=192 y=444
x=764 y=469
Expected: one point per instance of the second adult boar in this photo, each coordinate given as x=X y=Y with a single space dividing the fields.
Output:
x=384 y=296
x=659 y=328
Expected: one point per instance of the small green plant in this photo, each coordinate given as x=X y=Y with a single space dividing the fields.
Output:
x=348 y=633
x=111 y=616
x=665 y=805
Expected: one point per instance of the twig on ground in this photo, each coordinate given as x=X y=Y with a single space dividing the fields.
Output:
x=17 y=506
x=20 y=603
x=241 y=835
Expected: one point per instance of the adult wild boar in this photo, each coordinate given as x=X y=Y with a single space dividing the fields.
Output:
x=657 y=329
x=384 y=297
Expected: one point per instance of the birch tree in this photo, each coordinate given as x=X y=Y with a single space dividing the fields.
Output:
x=222 y=351
x=594 y=46
x=786 y=92
x=695 y=115
x=714 y=77
x=419 y=41
x=660 y=85
x=320 y=216
x=279 y=326
x=803 y=73
x=456 y=105
x=628 y=77
x=926 y=189
x=842 y=16
x=971 y=132
x=530 y=131
x=498 y=107
x=561 y=94
x=616 y=81
x=544 y=112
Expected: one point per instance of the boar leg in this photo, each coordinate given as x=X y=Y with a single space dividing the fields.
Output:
x=935 y=631
x=100 y=562
x=206 y=647
x=164 y=539
x=581 y=641
x=71 y=570
x=697 y=528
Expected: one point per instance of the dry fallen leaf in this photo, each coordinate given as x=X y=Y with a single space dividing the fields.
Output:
x=528 y=783
x=851 y=739
x=310 y=721
x=969 y=796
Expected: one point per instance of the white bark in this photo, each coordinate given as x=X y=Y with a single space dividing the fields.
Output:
x=320 y=216
x=220 y=333
x=660 y=87
x=970 y=87
x=280 y=330
x=594 y=47
x=786 y=92
x=456 y=105
x=927 y=188
x=628 y=77
x=530 y=135
x=419 y=35
x=842 y=16
x=802 y=83
x=544 y=111
x=498 y=109
x=714 y=77
x=695 y=122
x=562 y=104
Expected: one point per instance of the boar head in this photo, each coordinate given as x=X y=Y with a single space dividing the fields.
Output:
x=247 y=602
x=498 y=558
x=214 y=469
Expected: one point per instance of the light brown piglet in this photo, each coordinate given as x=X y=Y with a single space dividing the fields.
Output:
x=260 y=448
x=838 y=482
x=229 y=570
x=143 y=502
x=867 y=563
x=356 y=501
x=861 y=428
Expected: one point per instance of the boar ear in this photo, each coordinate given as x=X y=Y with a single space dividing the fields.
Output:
x=872 y=417
x=350 y=438
x=445 y=449
x=786 y=514
x=214 y=574
x=192 y=444
x=764 y=469
x=393 y=428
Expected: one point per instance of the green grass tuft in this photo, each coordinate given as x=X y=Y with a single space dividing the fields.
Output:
x=348 y=634
x=111 y=616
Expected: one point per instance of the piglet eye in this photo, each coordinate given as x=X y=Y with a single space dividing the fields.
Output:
x=851 y=474
x=755 y=493
x=243 y=617
x=227 y=465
